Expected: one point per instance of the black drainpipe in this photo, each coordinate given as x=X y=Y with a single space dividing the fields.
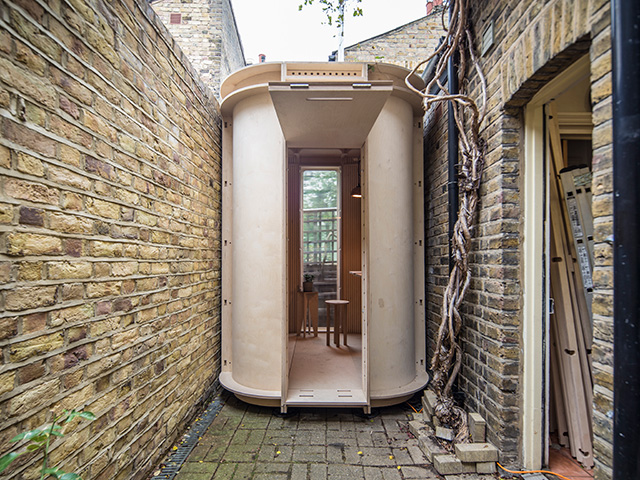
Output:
x=452 y=184
x=625 y=33
x=452 y=146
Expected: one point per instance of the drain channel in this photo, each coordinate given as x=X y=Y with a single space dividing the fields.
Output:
x=189 y=441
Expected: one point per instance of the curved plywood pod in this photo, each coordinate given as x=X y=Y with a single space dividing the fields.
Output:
x=390 y=250
x=281 y=120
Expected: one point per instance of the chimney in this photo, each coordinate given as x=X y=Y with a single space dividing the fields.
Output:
x=431 y=4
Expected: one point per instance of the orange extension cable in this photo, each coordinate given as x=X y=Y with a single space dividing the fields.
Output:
x=534 y=471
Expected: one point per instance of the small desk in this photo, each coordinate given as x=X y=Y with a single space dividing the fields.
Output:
x=340 y=316
x=310 y=313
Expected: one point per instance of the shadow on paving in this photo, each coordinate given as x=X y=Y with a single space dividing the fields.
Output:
x=249 y=442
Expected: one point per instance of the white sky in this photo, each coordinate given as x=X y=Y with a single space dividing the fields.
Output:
x=277 y=29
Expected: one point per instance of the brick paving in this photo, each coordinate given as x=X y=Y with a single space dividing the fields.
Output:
x=249 y=442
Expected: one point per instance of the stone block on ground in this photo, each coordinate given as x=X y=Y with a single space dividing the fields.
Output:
x=477 y=427
x=430 y=447
x=486 y=467
x=417 y=428
x=429 y=400
x=469 y=476
x=445 y=433
x=476 y=452
x=436 y=422
x=426 y=417
x=447 y=464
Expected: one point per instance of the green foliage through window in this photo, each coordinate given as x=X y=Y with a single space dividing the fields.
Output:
x=320 y=189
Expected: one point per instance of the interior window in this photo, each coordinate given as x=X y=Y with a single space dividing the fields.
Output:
x=320 y=234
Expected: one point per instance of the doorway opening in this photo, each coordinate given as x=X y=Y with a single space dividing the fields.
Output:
x=558 y=246
x=324 y=245
x=321 y=234
x=571 y=258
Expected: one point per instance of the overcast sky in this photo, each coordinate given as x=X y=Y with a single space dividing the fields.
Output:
x=277 y=29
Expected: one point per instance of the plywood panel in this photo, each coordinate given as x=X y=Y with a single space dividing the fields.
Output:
x=259 y=246
x=351 y=248
x=293 y=241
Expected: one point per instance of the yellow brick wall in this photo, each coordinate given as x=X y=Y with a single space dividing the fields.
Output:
x=109 y=232
x=534 y=42
x=404 y=46
x=208 y=36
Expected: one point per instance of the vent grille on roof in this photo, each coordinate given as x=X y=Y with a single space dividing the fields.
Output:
x=325 y=73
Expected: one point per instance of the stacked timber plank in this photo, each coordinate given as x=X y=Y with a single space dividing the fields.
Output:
x=571 y=261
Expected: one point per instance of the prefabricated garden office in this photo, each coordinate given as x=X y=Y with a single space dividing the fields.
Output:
x=298 y=138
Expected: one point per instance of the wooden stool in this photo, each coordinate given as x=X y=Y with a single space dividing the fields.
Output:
x=310 y=313
x=340 y=317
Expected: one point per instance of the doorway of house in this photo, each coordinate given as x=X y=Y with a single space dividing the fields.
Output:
x=558 y=261
x=324 y=241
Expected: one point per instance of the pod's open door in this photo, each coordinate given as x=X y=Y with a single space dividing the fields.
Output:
x=324 y=245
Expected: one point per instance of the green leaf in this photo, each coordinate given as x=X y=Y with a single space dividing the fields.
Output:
x=6 y=460
x=33 y=447
x=27 y=435
x=55 y=471
x=70 y=476
x=86 y=415
x=41 y=438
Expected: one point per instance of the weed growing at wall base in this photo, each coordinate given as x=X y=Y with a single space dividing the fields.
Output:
x=40 y=439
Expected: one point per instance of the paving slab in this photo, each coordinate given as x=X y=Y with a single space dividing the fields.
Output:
x=246 y=442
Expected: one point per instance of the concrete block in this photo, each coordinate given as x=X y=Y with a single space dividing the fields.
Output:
x=469 y=467
x=417 y=428
x=435 y=421
x=430 y=447
x=486 y=467
x=476 y=452
x=477 y=427
x=426 y=418
x=447 y=464
x=445 y=433
x=426 y=407
x=429 y=400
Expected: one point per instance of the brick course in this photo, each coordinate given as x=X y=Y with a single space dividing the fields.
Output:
x=534 y=42
x=404 y=46
x=109 y=232
x=207 y=34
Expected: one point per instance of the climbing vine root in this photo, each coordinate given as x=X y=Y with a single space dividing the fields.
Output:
x=447 y=356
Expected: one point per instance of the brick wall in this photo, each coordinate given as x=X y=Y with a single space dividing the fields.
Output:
x=405 y=46
x=534 y=41
x=109 y=232
x=207 y=34
x=232 y=53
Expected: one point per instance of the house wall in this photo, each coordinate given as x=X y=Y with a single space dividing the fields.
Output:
x=207 y=34
x=109 y=233
x=232 y=52
x=405 y=46
x=534 y=42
